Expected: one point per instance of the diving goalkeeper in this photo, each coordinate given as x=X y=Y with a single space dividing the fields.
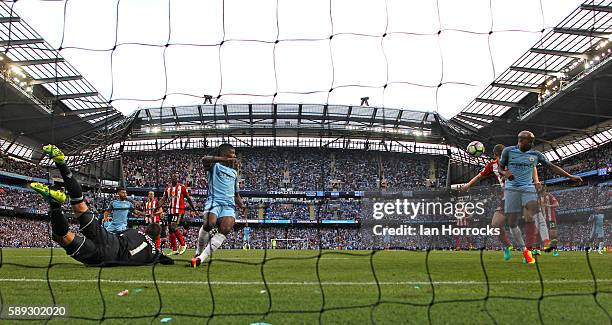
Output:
x=97 y=246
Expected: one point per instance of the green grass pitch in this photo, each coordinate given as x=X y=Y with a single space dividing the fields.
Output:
x=348 y=291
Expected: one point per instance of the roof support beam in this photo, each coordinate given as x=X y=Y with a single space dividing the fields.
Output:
x=465 y=125
x=6 y=20
x=399 y=118
x=575 y=55
x=473 y=120
x=533 y=70
x=200 y=115
x=98 y=115
x=484 y=116
x=596 y=8
x=39 y=61
x=348 y=114
x=581 y=32
x=22 y=41
x=109 y=120
x=374 y=115
x=517 y=87
x=52 y=80
x=499 y=102
x=108 y=109
x=74 y=96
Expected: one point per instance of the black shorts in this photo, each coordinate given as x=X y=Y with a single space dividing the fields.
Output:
x=174 y=218
x=97 y=246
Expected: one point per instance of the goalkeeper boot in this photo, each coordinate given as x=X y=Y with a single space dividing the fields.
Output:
x=50 y=195
x=555 y=252
x=54 y=153
x=528 y=256
x=195 y=262
x=507 y=253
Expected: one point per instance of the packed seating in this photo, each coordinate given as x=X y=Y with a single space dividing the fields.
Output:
x=296 y=169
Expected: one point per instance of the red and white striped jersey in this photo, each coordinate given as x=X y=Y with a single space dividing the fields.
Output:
x=493 y=167
x=150 y=208
x=463 y=222
x=550 y=213
x=176 y=195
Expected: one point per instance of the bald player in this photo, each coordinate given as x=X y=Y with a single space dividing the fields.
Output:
x=520 y=194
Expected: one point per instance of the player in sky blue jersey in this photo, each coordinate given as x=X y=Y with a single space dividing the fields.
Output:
x=223 y=199
x=119 y=210
x=246 y=237
x=520 y=193
x=597 y=230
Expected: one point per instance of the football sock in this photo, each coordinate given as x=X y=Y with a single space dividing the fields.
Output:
x=59 y=224
x=518 y=237
x=74 y=188
x=541 y=221
x=179 y=235
x=203 y=238
x=215 y=242
x=530 y=234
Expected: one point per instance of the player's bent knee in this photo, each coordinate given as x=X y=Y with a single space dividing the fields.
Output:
x=498 y=219
x=63 y=240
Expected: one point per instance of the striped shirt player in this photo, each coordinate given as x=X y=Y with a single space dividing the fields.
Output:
x=492 y=167
x=176 y=194
x=463 y=218
x=151 y=213
x=550 y=211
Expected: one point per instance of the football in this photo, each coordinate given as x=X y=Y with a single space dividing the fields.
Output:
x=475 y=148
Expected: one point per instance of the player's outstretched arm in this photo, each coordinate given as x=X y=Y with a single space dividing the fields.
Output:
x=208 y=161
x=162 y=201
x=189 y=201
x=561 y=172
x=471 y=183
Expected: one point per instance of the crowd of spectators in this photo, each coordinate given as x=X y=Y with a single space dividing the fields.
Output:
x=295 y=169
x=22 y=232
x=11 y=165
x=590 y=160
x=17 y=198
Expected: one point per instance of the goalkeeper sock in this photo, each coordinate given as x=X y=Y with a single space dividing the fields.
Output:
x=59 y=224
x=539 y=218
x=74 y=188
x=215 y=242
x=518 y=237
x=203 y=238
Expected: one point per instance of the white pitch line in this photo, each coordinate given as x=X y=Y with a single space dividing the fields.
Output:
x=323 y=257
x=338 y=283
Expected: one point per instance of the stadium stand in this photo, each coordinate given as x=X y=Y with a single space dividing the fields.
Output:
x=296 y=169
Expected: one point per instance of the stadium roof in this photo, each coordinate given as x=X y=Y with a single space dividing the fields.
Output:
x=44 y=97
x=286 y=120
x=559 y=89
